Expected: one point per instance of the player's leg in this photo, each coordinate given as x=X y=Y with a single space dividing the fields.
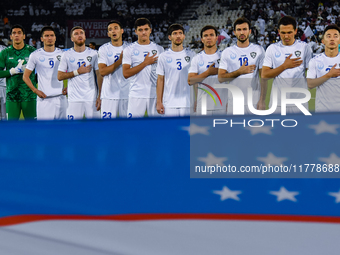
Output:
x=75 y=111
x=91 y=110
x=61 y=107
x=123 y=107
x=109 y=109
x=45 y=108
x=13 y=110
x=29 y=109
x=151 y=108
x=184 y=111
x=2 y=103
x=137 y=107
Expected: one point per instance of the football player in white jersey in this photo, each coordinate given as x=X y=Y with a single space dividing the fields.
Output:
x=77 y=65
x=286 y=61
x=115 y=89
x=2 y=93
x=241 y=65
x=204 y=69
x=324 y=72
x=139 y=63
x=173 y=91
x=51 y=100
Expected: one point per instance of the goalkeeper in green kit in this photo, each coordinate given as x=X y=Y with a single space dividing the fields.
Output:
x=19 y=97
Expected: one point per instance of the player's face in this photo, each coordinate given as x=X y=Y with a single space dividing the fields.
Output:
x=209 y=38
x=17 y=36
x=115 y=32
x=242 y=32
x=331 y=39
x=48 y=38
x=78 y=37
x=287 y=34
x=177 y=37
x=143 y=32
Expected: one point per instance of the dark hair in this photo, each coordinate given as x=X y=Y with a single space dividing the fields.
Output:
x=240 y=21
x=330 y=27
x=115 y=21
x=205 y=28
x=46 y=28
x=141 y=22
x=18 y=26
x=74 y=28
x=175 y=27
x=93 y=43
x=287 y=20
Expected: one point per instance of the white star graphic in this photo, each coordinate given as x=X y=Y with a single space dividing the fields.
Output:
x=336 y=195
x=272 y=160
x=211 y=160
x=284 y=194
x=193 y=129
x=324 y=127
x=332 y=159
x=226 y=193
x=259 y=130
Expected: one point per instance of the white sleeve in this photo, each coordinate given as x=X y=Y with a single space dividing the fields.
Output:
x=63 y=63
x=268 y=58
x=194 y=65
x=102 y=59
x=261 y=59
x=308 y=56
x=160 y=65
x=95 y=66
x=31 y=62
x=311 y=73
x=127 y=56
x=161 y=50
x=223 y=61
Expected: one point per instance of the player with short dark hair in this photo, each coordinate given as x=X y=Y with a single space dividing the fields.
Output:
x=19 y=97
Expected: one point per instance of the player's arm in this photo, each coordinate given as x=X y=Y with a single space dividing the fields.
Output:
x=19 y=69
x=193 y=78
x=223 y=75
x=67 y=75
x=128 y=71
x=312 y=83
x=289 y=63
x=159 y=91
x=27 y=80
x=106 y=70
x=99 y=82
x=261 y=105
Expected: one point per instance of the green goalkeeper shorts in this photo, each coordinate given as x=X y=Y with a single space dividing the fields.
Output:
x=29 y=110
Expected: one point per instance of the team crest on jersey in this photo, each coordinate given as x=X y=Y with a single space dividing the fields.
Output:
x=277 y=54
x=89 y=58
x=59 y=57
x=253 y=54
x=232 y=55
x=201 y=63
x=41 y=59
x=218 y=61
x=26 y=59
x=72 y=59
x=169 y=60
x=320 y=66
x=154 y=52
x=110 y=54
x=298 y=53
x=136 y=52
x=187 y=58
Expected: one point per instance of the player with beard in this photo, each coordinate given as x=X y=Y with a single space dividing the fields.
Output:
x=324 y=72
x=115 y=90
x=204 y=68
x=241 y=64
x=173 y=91
x=77 y=65
x=139 y=63
x=51 y=100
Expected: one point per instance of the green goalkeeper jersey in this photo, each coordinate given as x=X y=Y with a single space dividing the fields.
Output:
x=16 y=88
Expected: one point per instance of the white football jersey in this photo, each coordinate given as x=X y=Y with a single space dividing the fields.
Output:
x=82 y=87
x=174 y=66
x=143 y=84
x=233 y=58
x=46 y=66
x=2 y=80
x=276 y=55
x=327 y=94
x=199 y=64
x=115 y=86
